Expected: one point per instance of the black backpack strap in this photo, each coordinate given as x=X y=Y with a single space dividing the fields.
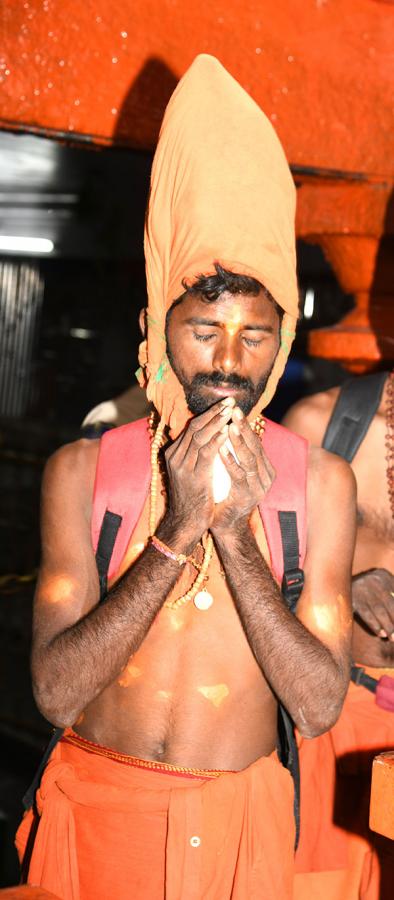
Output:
x=106 y=542
x=288 y=755
x=358 y=676
x=292 y=584
x=353 y=412
x=293 y=576
x=30 y=794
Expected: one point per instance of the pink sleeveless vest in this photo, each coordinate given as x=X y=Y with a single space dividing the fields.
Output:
x=123 y=478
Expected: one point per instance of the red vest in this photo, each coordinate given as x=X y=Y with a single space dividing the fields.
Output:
x=123 y=477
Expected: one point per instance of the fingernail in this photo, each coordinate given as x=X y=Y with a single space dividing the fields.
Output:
x=228 y=401
x=225 y=411
x=382 y=633
x=224 y=430
x=238 y=414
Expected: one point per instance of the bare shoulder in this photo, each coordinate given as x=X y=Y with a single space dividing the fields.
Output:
x=310 y=416
x=71 y=470
x=330 y=478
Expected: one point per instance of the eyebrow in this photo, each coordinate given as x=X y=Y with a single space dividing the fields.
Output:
x=196 y=320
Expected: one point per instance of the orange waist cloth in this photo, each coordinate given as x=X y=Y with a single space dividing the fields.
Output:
x=338 y=857
x=113 y=828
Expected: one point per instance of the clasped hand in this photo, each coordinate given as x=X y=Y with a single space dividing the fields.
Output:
x=189 y=462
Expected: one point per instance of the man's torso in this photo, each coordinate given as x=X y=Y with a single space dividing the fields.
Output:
x=193 y=694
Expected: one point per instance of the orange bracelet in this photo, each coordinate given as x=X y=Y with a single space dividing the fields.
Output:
x=159 y=545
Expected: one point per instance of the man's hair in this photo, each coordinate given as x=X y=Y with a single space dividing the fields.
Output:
x=210 y=287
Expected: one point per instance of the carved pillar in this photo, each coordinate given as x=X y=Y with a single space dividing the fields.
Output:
x=353 y=225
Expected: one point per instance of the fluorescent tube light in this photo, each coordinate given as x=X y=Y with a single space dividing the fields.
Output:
x=25 y=244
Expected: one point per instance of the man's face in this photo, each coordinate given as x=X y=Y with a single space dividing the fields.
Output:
x=225 y=348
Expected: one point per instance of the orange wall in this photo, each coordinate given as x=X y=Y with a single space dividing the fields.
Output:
x=323 y=70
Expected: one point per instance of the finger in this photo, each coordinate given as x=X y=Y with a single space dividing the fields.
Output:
x=391 y=607
x=201 y=435
x=214 y=418
x=236 y=472
x=253 y=442
x=245 y=457
x=250 y=437
x=253 y=464
x=369 y=618
x=207 y=453
x=384 y=611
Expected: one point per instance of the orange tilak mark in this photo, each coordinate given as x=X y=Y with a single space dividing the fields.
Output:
x=164 y=695
x=236 y=318
x=216 y=693
x=128 y=675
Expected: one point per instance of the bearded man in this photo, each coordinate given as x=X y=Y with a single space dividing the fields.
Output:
x=166 y=781
x=339 y=857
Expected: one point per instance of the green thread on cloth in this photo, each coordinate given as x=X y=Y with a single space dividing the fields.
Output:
x=161 y=373
x=284 y=345
x=155 y=327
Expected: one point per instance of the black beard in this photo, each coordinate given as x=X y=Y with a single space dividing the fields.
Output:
x=198 y=403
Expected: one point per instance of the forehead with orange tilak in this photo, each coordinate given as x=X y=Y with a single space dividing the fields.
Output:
x=235 y=319
x=231 y=202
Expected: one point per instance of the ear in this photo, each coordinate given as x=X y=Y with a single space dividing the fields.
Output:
x=142 y=322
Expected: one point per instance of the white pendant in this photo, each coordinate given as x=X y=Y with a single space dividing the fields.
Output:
x=203 y=600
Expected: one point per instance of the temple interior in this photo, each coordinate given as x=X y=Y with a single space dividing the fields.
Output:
x=77 y=177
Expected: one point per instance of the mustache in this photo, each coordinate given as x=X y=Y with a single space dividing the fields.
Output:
x=214 y=379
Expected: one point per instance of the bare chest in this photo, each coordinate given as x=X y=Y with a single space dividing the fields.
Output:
x=370 y=469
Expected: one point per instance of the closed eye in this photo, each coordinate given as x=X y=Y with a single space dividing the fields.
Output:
x=250 y=343
x=208 y=337
x=203 y=337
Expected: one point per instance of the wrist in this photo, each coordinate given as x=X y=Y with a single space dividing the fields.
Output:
x=176 y=535
x=234 y=534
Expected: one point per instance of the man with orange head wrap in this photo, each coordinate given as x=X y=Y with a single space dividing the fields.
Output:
x=166 y=781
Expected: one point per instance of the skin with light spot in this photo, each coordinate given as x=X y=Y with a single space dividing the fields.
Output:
x=373 y=564
x=207 y=693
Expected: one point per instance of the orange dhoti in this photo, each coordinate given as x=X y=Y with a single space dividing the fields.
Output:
x=112 y=827
x=338 y=857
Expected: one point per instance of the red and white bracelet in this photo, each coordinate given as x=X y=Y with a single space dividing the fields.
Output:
x=159 y=545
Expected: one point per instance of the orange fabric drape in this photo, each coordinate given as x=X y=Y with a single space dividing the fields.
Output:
x=221 y=191
x=109 y=829
x=339 y=858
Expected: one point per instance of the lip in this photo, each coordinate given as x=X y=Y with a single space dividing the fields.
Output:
x=224 y=391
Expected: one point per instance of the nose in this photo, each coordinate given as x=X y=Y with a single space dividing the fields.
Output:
x=226 y=357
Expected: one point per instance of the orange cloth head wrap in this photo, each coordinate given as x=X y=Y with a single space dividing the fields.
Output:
x=221 y=191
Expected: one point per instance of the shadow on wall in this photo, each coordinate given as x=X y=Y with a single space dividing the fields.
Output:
x=146 y=99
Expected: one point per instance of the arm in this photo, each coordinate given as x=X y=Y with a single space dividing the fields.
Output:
x=306 y=660
x=80 y=647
